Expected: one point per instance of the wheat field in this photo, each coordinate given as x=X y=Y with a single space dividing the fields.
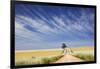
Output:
x=39 y=56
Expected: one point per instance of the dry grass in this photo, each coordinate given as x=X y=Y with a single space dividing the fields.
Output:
x=84 y=53
x=48 y=56
x=37 y=56
x=37 y=60
x=37 y=53
x=83 y=50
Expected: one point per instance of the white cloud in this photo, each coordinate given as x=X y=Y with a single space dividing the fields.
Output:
x=38 y=24
x=24 y=35
x=21 y=31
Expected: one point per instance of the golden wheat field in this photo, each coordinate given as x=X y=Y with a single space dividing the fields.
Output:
x=35 y=56
x=37 y=53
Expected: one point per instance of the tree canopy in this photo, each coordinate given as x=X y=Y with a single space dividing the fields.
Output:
x=64 y=45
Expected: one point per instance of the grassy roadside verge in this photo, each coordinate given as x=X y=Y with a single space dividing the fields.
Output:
x=37 y=60
x=86 y=57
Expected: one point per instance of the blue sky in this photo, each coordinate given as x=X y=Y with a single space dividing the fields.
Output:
x=46 y=27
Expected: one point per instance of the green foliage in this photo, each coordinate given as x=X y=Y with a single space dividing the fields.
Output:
x=50 y=59
x=45 y=60
x=42 y=60
x=86 y=57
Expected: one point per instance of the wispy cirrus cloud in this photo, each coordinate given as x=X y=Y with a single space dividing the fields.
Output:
x=39 y=27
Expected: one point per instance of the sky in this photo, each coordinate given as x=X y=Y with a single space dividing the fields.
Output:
x=47 y=27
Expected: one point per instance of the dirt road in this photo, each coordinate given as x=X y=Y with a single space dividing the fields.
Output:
x=68 y=58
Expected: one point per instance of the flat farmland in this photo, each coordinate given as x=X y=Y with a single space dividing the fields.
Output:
x=29 y=57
